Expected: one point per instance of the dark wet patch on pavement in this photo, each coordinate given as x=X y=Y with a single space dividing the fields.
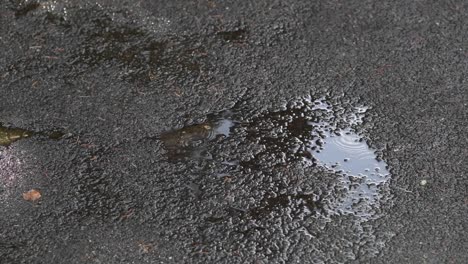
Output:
x=187 y=141
x=25 y=7
x=101 y=40
x=8 y=135
x=237 y=35
x=143 y=56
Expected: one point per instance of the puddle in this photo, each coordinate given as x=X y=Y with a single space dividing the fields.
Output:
x=187 y=142
x=223 y=127
x=361 y=171
x=8 y=135
x=290 y=135
x=315 y=133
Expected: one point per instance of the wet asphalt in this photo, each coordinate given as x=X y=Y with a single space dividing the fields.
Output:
x=188 y=131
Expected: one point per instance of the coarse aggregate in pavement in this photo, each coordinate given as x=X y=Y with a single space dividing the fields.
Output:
x=230 y=131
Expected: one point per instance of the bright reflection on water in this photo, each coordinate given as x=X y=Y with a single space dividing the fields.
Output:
x=357 y=163
x=223 y=127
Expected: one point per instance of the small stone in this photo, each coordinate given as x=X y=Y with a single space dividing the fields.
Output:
x=423 y=182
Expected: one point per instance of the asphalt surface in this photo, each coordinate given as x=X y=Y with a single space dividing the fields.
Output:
x=181 y=131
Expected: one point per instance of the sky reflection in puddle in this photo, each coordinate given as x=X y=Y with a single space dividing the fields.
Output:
x=362 y=172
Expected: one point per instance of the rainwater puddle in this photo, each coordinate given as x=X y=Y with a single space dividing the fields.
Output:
x=315 y=133
x=188 y=141
x=362 y=173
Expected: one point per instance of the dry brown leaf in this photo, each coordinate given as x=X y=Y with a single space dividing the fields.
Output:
x=32 y=195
